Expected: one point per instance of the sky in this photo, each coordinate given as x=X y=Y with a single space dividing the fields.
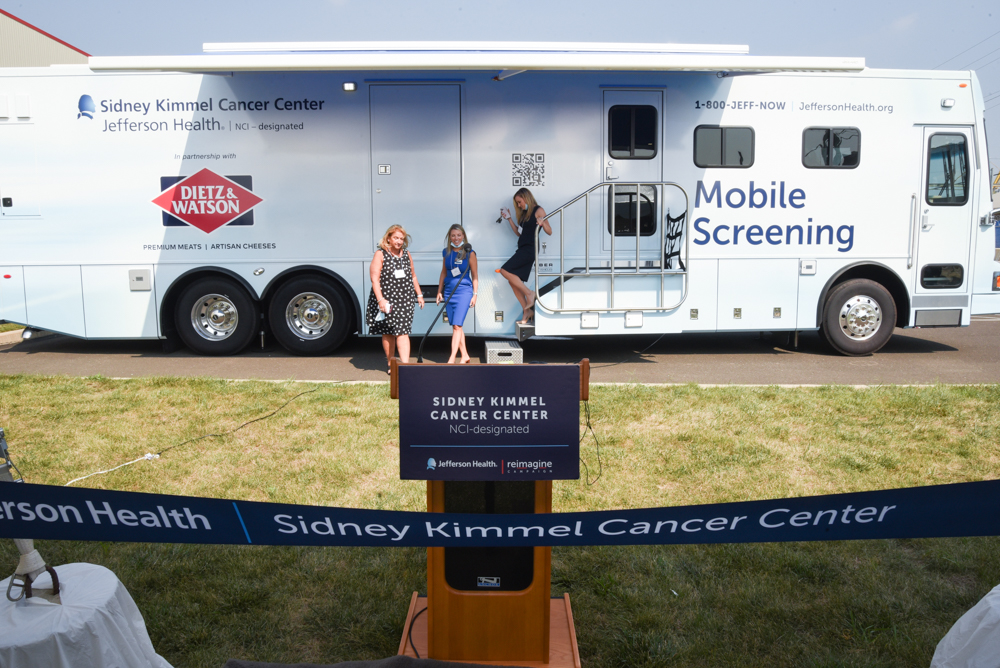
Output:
x=918 y=34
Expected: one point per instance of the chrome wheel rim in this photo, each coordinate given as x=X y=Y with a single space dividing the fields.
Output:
x=309 y=315
x=860 y=317
x=214 y=317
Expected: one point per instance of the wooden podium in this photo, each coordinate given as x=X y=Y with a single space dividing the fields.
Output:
x=491 y=604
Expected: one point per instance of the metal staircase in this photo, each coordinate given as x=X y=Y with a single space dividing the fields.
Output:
x=613 y=265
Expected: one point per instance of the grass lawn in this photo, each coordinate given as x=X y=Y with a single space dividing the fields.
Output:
x=9 y=327
x=861 y=603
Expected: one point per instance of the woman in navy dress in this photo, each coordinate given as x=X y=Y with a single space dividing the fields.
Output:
x=460 y=284
x=517 y=269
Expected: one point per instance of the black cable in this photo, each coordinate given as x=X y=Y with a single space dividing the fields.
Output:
x=641 y=352
x=409 y=634
x=233 y=431
x=600 y=465
x=444 y=305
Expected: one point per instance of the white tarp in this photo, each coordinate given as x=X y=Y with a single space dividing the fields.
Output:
x=98 y=625
x=974 y=640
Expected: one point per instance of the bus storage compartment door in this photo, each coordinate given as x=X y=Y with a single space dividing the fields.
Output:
x=114 y=307
x=12 y=295
x=18 y=171
x=416 y=161
x=945 y=209
x=759 y=295
x=54 y=299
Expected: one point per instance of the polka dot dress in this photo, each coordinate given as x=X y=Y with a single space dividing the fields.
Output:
x=399 y=292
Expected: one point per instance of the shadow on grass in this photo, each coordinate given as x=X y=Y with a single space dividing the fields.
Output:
x=870 y=603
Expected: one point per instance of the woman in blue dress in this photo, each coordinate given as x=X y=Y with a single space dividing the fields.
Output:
x=459 y=283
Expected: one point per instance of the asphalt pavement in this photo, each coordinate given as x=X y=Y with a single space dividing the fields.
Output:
x=912 y=356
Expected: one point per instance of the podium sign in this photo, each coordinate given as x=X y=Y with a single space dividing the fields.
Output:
x=482 y=422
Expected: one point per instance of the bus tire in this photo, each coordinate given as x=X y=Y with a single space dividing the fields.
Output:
x=858 y=317
x=309 y=316
x=216 y=316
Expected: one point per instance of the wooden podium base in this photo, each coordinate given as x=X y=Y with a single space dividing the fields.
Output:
x=563 y=651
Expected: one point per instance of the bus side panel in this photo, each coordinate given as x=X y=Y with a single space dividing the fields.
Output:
x=12 y=295
x=758 y=294
x=54 y=299
x=112 y=309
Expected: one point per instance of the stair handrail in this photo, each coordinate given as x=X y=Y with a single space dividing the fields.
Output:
x=612 y=272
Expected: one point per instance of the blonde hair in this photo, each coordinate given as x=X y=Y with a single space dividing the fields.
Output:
x=529 y=199
x=464 y=248
x=384 y=243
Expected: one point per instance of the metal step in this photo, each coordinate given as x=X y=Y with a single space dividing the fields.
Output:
x=524 y=332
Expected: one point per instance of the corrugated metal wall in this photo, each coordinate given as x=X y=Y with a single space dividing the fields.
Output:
x=20 y=46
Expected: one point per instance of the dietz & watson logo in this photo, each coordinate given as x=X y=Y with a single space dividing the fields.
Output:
x=207 y=200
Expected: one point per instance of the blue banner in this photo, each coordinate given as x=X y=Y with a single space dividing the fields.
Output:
x=489 y=422
x=67 y=513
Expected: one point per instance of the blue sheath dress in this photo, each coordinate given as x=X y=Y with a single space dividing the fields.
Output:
x=458 y=306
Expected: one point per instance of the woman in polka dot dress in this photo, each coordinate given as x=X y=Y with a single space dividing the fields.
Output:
x=390 y=303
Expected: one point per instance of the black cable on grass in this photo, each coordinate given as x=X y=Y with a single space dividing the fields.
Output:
x=233 y=431
x=150 y=455
x=600 y=466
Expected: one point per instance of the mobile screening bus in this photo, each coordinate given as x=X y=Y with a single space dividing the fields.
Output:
x=221 y=196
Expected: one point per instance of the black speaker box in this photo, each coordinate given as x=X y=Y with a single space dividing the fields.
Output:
x=489 y=568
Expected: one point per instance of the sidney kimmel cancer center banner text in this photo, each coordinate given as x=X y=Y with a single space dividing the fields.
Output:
x=489 y=422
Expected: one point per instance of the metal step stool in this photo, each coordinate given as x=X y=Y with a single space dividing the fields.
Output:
x=504 y=352
x=525 y=331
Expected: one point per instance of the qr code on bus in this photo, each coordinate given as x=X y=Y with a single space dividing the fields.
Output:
x=527 y=169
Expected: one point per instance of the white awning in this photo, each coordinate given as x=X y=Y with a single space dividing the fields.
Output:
x=457 y=56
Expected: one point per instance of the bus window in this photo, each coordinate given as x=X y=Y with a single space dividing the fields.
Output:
x=936 y=276
x=632 y=132
x=825 y=148
x=623 y=210
x=716 y=146
x=947 y=171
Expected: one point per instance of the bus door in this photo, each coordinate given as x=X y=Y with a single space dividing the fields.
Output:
x=632 y=152
x=416 y=175
x=945 y=212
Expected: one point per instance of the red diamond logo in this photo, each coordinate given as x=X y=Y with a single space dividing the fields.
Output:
x=207 y=200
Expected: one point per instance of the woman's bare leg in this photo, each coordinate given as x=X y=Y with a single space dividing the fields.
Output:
x=461 y=346
x=524 y=295
x=389 y=346
x=511 y=278
x=456 y=340
x=403 y=343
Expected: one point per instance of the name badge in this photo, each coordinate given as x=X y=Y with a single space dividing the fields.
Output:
x=455 y=271
x=399 y=273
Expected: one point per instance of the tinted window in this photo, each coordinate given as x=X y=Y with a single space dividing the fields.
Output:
x=626 y=208
x=632 y=132
x=941 y=276
x=716 y=146
x=831 y=147
x=947 y=170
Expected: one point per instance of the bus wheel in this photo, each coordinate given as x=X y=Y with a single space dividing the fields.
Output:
x=215 y=316
x=858 y=317
x=309 y=316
